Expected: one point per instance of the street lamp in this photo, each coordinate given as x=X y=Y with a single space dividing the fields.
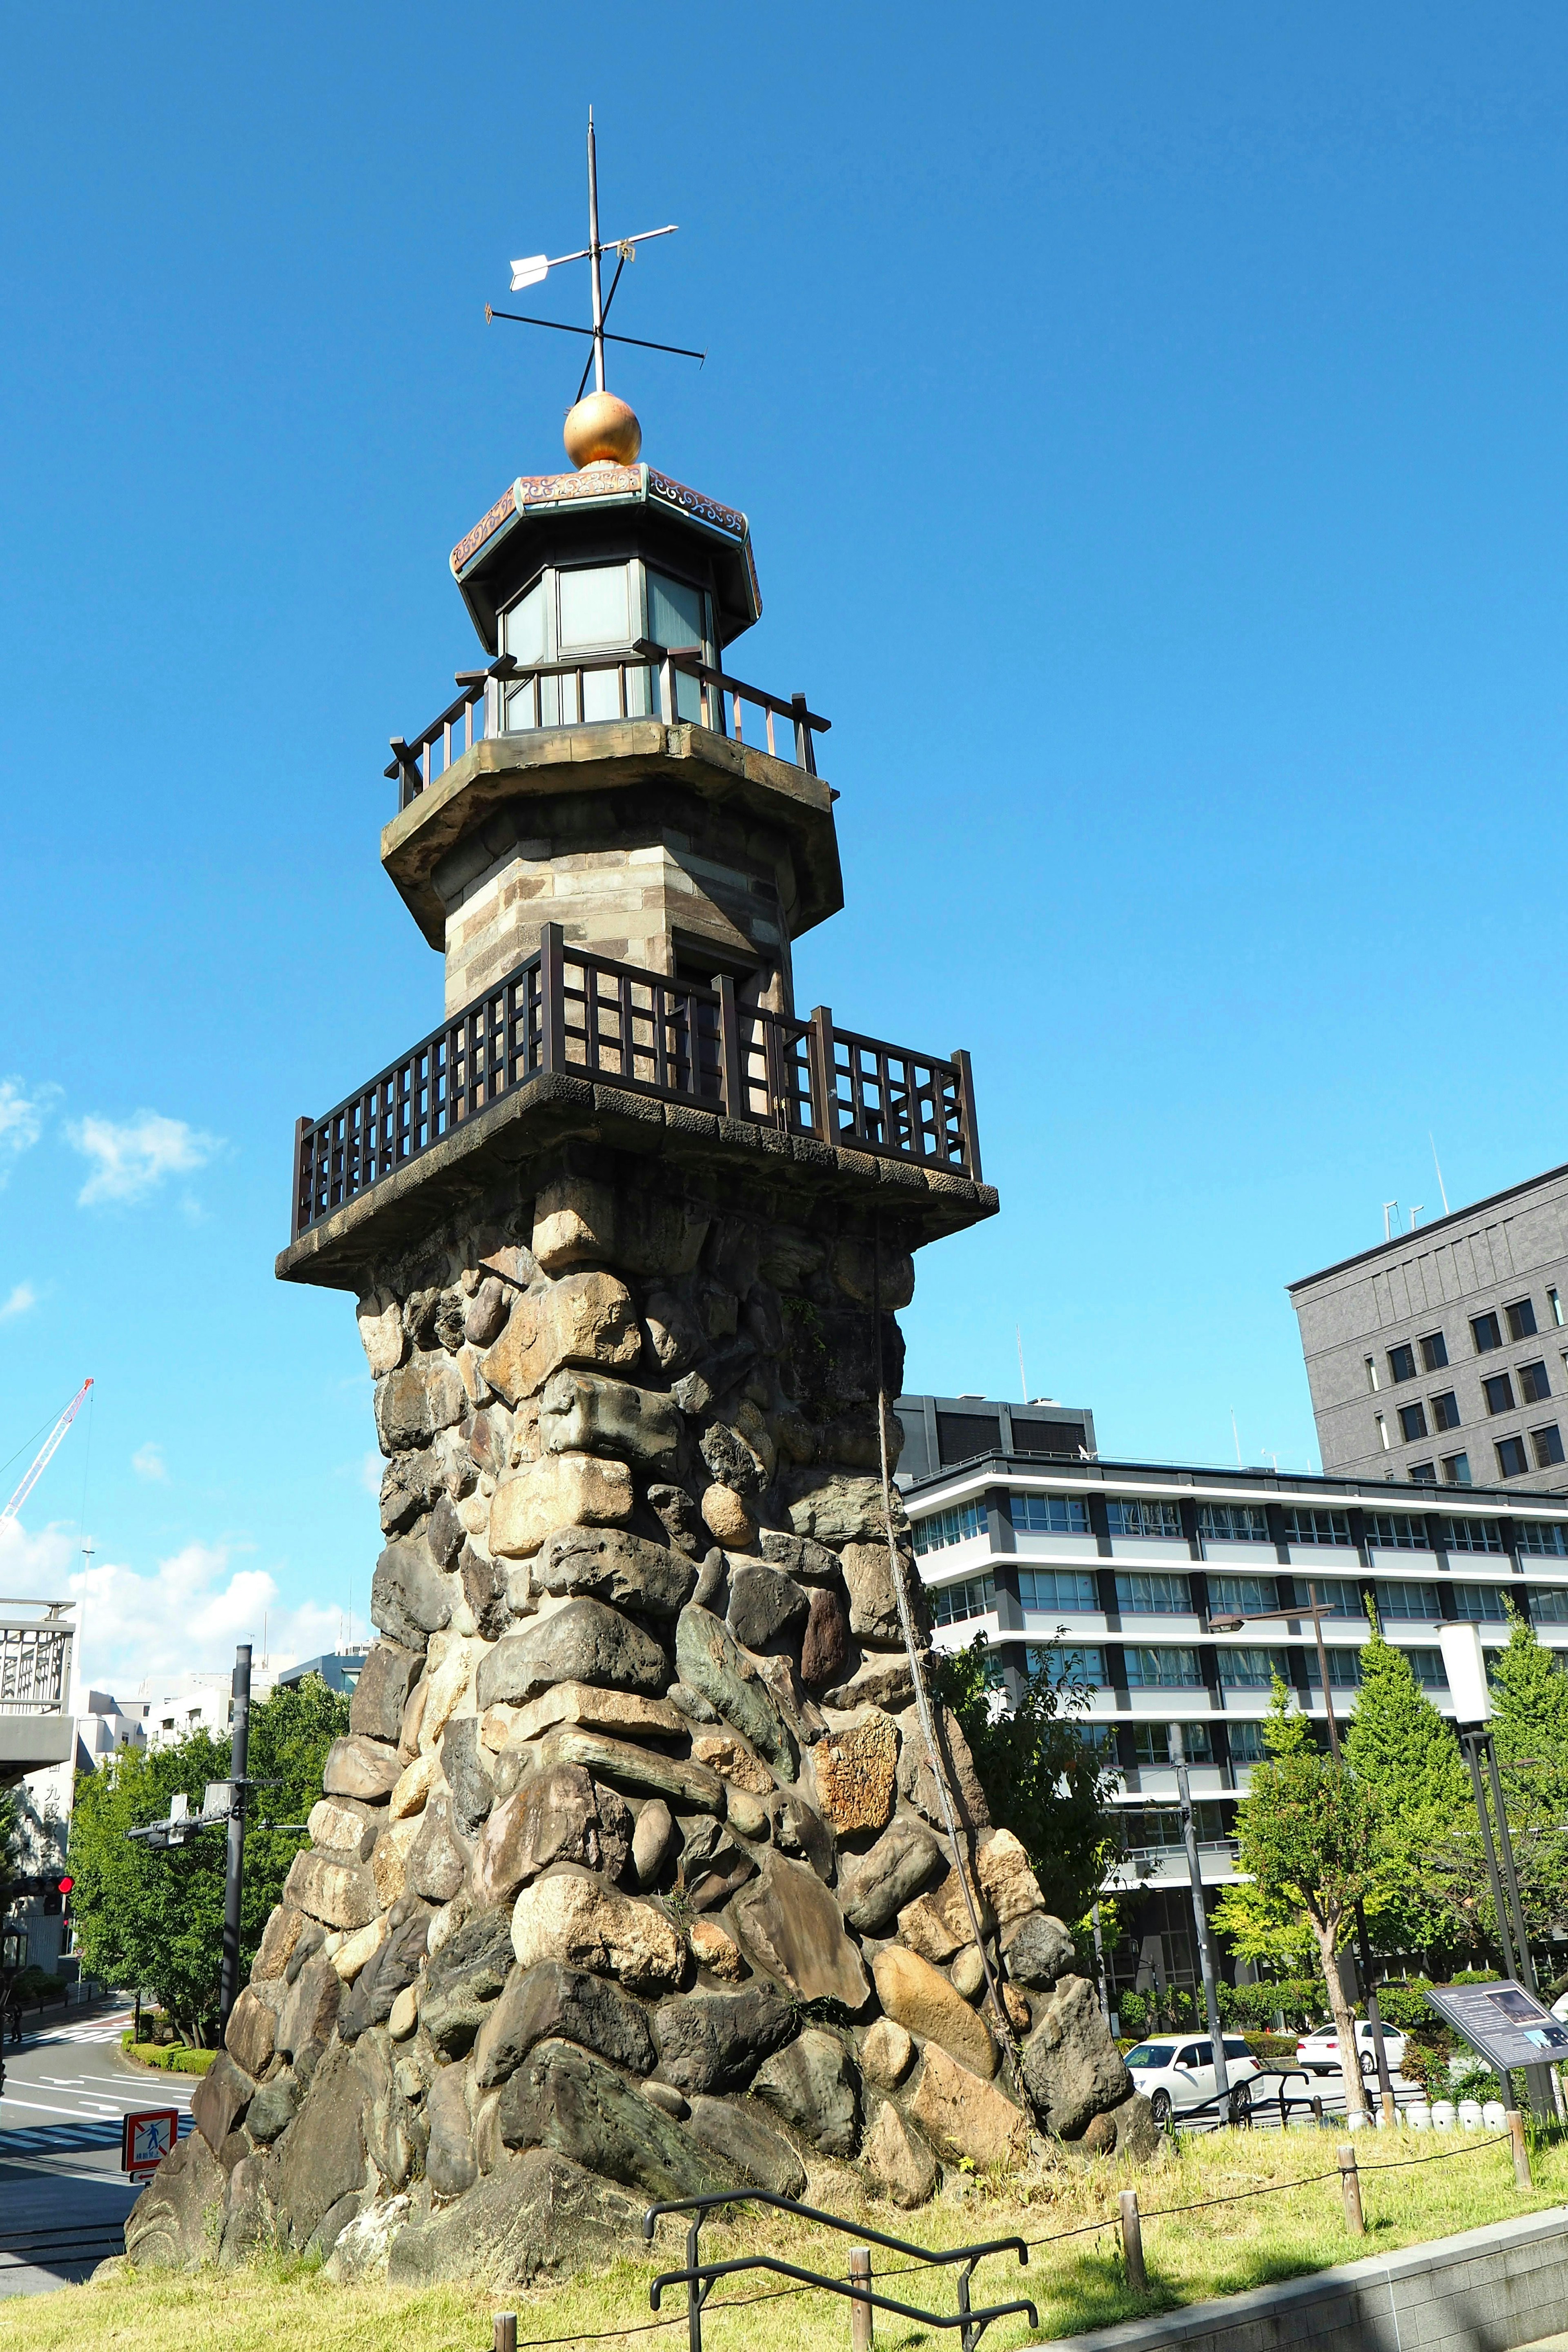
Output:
x=1317 y=1610
x=1465 y=1670
x=1200 y=1916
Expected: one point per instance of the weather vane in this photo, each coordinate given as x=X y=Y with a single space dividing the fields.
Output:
x=536 y=267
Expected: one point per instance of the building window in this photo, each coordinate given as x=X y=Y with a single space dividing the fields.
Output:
x=1371 y=1364
x=1381 y=1431
x=1058 y=1588
x=1419 y=1601
x=1391 y=1531
x=1499 y=1394
x=944 y=1527
x=1240 y=1596
x=1534 y=1388
x=1549 y=1604
x=1151 y=1743
x=1233 y=1523
x=1247 y=1743
x=1252 y=1669
x=1333 y=1594
x=974 y=1596
x=1344 y=1669
x=1133 y=1516
x=1317 y=1527
x=1472 y=1535
x=1402 y=1363
x=1162 y=1596
x=1511 y=1461
x=1547 y=1446
x=1050 y=1515
x=1481 y=1603
x=1427 y=1665
x=1444 y=1410
x=1555 y=1304
x=1079 y=1664
x=1487 y=1333
x=1412 y=1421
x=1546 y=1539
x=1162 y=1669
x=1423 y=1474
x=1457 y=1469
x=1521 y=1320
x=1434 y=1351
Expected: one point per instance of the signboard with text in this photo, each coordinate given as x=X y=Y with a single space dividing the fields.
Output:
x=1508 y=2025
x=149 y=2137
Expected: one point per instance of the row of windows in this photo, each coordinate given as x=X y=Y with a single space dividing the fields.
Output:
x=1162 y=1667
x=1077 y=1592
x=953 y=1604
x=1050 y=1515
x=1512 y=1461
x=1386 y=1530
x=1486 y=1334
x=944 y=1527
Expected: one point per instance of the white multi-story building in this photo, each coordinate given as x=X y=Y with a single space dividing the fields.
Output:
x=1115 y=1572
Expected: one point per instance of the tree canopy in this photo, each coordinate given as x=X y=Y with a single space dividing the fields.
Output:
x=154 y=1920
x=1044 y=1779
x=1530 y=1726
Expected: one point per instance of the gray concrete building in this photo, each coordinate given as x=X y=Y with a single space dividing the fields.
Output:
x=1441 y=1356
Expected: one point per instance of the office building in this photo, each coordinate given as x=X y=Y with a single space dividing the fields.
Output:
x=1441 y=1356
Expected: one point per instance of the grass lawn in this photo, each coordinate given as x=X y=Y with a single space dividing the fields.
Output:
x=1077 y=2282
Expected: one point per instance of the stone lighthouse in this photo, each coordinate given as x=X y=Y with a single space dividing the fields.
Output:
x=635 y=1876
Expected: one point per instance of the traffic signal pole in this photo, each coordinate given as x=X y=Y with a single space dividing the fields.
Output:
x=233 y=1885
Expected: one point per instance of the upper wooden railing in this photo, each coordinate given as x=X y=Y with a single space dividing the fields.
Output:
x=557 y=693
x=586 y=1017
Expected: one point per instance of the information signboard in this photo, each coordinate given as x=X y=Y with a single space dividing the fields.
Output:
x=1508 y=2025
x=149 y=2137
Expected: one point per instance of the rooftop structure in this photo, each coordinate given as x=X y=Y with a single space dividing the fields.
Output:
x=37 y=1643
x=339 y=1669
x=1441 y=1355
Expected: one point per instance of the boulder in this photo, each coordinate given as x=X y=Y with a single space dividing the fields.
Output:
x=535 y=2216
x=274 y=2107
x=641 y=1767
x=938 y=1924
x=583 y=1642
x=339 y=1894
x=1011 y=1886
x=898 y=2162
x=566 y=2098
x=614 y=1565
x=885 y=2055
x=449 y=2162
x=381 y=1334
x=437 y=1860
x=381 y=1693
x=166 y=2229
x=711 y=1663
x=964 y=2118
x=790 y=1926
x=873 y=1599
x=744 y=2147
x=410 y=1595
x=629 y=1714
x=251 y=2034
x=472 y=1790
x=464 y=1978
x=248 y=2221
x=726 y=1753
x=584 y=1412
x=1138 y=2136
x=452 y=1663
x=574 y=1222
x=815 y=2084
x=360 y=1768
x=651 y=1841
x=715 y=2041
x=873 y=1887
x=558 y=1490
x=348 y=1828
x=811 y=1562
x=572 y=1917
x=857 y=1774
x=310 y=2010
x=825 y=1647
x=1071 y=2065
x=967 y=1973
x=765 y=1607
x=734 y=1461
x=413 y=1403
x=919 y=1998
x=486 y=1591
x=727 y=1518
x=326 y=2146
x=278 y=1939
x=549 y=2001
x=837 y=1509
x=917 y=1782
x=391 y=1970
x=1038 y=1952
x=879 y=1682
x=549 y=1817
x=486 y=1311
x=588 y=1319
x=220 y=2099
x=713 y=1949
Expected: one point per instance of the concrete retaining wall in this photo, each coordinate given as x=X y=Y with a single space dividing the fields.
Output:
x=1488 y=2290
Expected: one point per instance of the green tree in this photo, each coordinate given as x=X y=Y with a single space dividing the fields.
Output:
x=155 y=1920
x=10 y=1833
x=1044 y=1779
x=1529 y=1726
x=1399 y=1748
x=1311 y=1842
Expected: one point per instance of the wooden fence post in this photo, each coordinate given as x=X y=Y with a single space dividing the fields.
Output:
x=1132 y=2242
x=505 y=2331
x=824 y=1077
x=552 y=998
x=1350 y=2183
x=862 y=2319
x=1521 y=2149
x=730 y=1075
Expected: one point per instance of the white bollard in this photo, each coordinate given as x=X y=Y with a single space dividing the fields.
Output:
x=1418 y=2115
x=1469 y=2115
x=1443 y=2116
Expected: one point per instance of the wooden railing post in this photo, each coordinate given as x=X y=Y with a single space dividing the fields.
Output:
x=1521 y=2149
x=1350 y=2183
x=824 y=1082
x=552 y=998
x=731 y=1075
x=297 y=1223
x=505 y=2337
x=861 y=2314
x=1132 y=2242
x=804 y=750
x=967 y=1128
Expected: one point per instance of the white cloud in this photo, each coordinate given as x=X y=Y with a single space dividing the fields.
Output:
x=22 y=1115
x=21 y=1298
x=131 y=1157
x=148 y=1463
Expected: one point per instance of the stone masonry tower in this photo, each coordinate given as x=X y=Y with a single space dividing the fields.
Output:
x=632 y=1878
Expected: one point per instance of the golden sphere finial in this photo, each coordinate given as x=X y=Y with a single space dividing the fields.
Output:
x=601 y=431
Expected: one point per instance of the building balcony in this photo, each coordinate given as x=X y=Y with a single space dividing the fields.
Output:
x=36 y=1725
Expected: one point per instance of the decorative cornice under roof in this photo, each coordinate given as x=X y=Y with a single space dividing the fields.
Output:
x=535 y=492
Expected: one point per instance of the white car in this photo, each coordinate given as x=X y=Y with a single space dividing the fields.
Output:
x=1175 y=2075
x=1319 y=2054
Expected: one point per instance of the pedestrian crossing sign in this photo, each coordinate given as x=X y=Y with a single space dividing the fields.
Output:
x=149 y=2137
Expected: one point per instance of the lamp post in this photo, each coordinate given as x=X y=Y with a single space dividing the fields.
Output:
x=1317 y=1610
x=1200 y=1915
x=1465 y=1670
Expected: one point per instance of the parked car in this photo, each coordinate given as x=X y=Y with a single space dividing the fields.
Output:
x=1319 y=2054
x=1175 y=2076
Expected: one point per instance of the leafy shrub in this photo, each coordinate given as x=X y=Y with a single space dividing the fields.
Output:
x=173 y=2057
x=1406 y=2006
x=32 y=1987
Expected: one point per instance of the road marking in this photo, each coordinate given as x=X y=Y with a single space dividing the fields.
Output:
x=76 y=2114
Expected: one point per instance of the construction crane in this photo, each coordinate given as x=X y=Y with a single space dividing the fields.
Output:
x=46 y=1453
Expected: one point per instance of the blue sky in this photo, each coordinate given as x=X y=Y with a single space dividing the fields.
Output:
x=1152 y=424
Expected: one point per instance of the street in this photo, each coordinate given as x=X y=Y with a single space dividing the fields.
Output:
x=63 y=2198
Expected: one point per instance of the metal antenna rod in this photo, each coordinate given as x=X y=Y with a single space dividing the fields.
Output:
x=594 y=259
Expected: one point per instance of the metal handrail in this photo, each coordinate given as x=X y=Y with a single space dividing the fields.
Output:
x=697 y=2277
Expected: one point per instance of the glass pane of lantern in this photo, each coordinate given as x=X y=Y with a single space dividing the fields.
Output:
x=594 y=607
x=601 y=694
x=525 y=630
x=674 y=612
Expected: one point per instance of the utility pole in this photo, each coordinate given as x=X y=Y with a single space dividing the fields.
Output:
x=1200 y=1917
x=233 y=1885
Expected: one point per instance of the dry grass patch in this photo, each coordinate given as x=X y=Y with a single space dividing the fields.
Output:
x=1077 y=2282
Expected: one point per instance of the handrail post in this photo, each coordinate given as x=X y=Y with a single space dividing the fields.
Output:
x=1350 y=2183
x=1521 y=2149
x=1132 y=2242
x=969 y=1132
x=804 y=750
x=297 y=1222
x=862 y=2323
x=730 y=1075
x=825 y=1113
x=505 y=2336
x=552 y=998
